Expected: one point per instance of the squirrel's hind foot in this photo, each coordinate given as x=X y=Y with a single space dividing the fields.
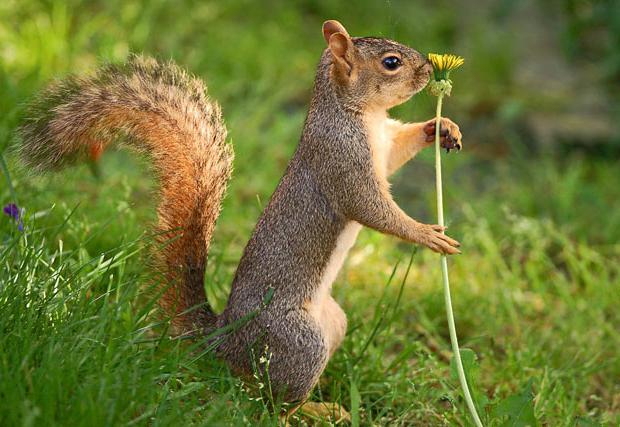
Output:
x=317 y=412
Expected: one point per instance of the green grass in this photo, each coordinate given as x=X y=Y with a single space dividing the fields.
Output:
x=536 y=291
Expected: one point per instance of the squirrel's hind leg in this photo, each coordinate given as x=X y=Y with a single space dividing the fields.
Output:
x=300 y=348
x=298 y=354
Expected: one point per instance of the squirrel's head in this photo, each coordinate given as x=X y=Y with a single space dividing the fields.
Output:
x=372 y=72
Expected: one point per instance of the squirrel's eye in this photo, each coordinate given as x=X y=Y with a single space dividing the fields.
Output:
x=391 y=63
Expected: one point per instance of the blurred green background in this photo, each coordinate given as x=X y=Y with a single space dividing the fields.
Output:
x=533 y=197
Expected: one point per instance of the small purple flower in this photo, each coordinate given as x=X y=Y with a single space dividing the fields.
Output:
x=14 y=212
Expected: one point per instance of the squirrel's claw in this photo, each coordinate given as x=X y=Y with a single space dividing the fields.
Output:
x=437 y=241
x=451 y=142
x=450 y=136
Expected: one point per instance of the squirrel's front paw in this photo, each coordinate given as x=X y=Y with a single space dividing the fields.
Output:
x=435 y=239
x=449 y=134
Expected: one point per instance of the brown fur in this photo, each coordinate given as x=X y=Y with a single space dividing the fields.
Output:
x=332 y=181
x=166 y=114
x=336 y=180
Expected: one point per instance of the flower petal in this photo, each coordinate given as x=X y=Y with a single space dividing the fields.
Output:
x=11 y=210
x=443 y=64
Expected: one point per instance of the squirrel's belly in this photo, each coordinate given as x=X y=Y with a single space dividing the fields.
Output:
x=380 y=141
x=345 y=241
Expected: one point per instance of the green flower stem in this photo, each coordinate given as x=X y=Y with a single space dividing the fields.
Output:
x=444 y=271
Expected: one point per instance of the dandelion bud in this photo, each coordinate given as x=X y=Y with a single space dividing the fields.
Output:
x=440 y=87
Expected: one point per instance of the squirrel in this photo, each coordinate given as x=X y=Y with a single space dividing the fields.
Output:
x=335 y=183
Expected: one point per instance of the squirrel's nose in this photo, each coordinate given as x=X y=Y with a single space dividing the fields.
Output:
x=427 y=68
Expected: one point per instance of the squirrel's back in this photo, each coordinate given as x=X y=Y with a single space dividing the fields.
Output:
x=163 y=112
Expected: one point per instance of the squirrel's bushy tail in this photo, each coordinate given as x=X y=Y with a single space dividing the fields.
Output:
x=160 y=110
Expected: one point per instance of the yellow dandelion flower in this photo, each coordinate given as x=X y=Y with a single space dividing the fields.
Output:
x=440 y=87
x=443 y=64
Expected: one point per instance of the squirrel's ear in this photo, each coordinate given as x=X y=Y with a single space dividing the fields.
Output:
x=332 y=27
x=340 y=44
